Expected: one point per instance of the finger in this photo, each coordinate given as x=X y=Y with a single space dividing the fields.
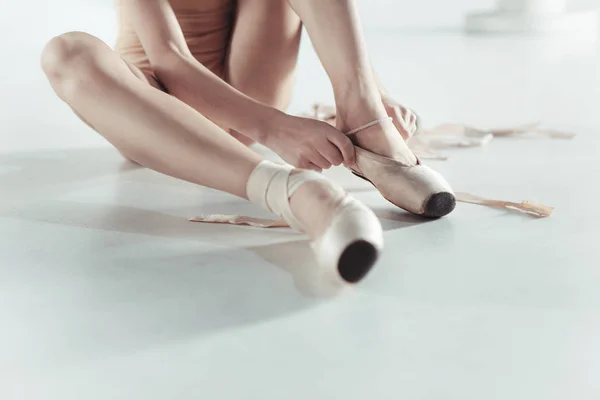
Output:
x=344 y=145
x=400 y=123
x=418 y=123
x=404 y=111
x=315 y=168
x=405 y=115
x=413 y=128
x=412 y=118
x=320 y=161
x=412 y=123
x=331 y=153
x=310 y=166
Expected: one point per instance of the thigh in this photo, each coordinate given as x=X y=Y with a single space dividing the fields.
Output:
x=263 y=50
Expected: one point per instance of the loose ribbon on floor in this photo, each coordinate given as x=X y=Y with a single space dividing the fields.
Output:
x=526 y=207
x=426 y=143
x=240 y=220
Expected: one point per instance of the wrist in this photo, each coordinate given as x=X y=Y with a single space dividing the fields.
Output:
x=251 y=120
x=264 y=125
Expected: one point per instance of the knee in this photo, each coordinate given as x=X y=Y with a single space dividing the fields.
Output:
x=274 y=91
x=68 y=60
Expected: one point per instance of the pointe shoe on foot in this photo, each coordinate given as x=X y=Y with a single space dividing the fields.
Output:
x=352 y=239
x=414 y=188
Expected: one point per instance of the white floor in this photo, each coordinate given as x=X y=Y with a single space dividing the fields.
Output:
x=107 y=292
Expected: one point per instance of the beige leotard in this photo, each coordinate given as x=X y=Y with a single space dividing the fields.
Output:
x=206 y=25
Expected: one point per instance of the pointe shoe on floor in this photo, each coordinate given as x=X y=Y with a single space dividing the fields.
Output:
x=414 y=188
x=352 y=239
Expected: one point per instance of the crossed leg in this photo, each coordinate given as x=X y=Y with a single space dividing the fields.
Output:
x=263 y=56
x=147 y=125
x=263 y=52
x=159 y=131
x=335 y=30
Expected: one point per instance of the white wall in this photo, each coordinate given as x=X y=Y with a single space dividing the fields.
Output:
x=420 y=14
x=431 y=14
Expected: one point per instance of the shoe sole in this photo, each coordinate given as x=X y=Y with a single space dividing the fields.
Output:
x=438 y=205
x=357 y=260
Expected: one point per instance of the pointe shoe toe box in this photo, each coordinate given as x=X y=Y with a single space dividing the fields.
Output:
x=415 y=188
x=352 y=243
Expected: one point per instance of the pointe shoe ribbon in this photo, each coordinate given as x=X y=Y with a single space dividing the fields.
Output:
x=425 y=143
x=352 y=239
x=271 y=187
x=414 y=188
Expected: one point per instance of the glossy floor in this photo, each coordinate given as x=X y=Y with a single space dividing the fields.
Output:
x=107 y=292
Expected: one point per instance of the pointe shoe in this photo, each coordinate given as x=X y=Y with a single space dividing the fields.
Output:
x=414 y=188
x=353 y=239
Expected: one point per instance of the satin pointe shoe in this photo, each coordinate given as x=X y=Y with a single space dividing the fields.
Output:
x=353 y=238
x=414 y=188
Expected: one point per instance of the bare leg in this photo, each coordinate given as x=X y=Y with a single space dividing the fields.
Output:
x=152 y=128
x=159 y=131
x=336 y=33
x=263 y=51
x=261 y=64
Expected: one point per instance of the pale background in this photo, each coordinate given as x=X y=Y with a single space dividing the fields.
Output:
x=107 y=292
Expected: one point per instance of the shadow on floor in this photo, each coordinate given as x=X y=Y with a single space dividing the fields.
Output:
x=29 y=175
x=51 y=173
x=122 y=294
x=177 y=295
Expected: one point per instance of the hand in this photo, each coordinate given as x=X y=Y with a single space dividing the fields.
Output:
x=308 y=143
x=405 y=119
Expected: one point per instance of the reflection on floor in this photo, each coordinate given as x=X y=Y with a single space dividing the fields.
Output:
x=108 y=291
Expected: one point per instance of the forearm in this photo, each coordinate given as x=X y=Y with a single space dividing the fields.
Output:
x=195 y=85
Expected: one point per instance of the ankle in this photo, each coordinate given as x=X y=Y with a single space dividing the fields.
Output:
x=357 y=103
x=360 y=103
